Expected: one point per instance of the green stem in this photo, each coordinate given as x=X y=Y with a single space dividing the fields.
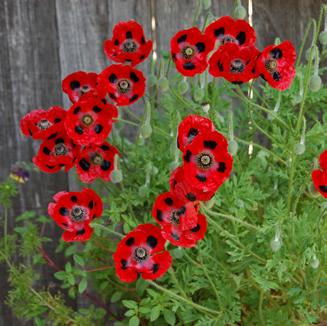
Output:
x=5 y=229
x=172 y=273
x=180 y=298
x=100 y=226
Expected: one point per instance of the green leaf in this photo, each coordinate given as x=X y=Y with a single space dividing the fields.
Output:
x=134 y=321
x=130 y=304
x=60 y=275
x=79 y=260
x=169 y=316
x=155 y=313
x=130 y=313
x=82 y=285
x=116 y=296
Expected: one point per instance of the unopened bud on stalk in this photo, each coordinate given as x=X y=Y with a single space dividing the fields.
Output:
x=239 y=11
x=146 y=129
x=206 y=4
x=315 y=83
x=209 y=204
x=116 y=174
x=271 y=116
x=315 y=262
x=323 y=37
x=232 y=145
x=198 y=94
x=152 y=80
x=300 y=147
x=163 y=84
x=182 y=86
x=205 y=107
x=276 y=242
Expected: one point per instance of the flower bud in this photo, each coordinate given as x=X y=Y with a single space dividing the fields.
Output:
x=239 y=12
x=163 y=84
x=116 y=176
x=315 y=83
x=205 y=107
x=275 y=244
x=323 y=37
x=146 y=130
x=232 y=147
x=299 y=148
x=182 y=86
x=315 y=262
x=152 y=80
x=198 y=94
x=206 y=4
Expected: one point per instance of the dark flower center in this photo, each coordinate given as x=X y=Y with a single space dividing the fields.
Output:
x=174 y=218
x=87 y=120
x=60 y=149
x=78 y=214
x=124 y=86
x=271 y=65
x=129 y=46
x=228 y=39
x=140 y=254
x=188 y=52
x=44 y=124
x=237 y=66
x=97 y=159
x=85 y=88
x=204 y=161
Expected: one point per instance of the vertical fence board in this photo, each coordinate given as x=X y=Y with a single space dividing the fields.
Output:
x=30 y=78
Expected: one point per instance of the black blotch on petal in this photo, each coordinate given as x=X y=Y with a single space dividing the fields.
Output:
x=105 y=165
x=220 y=66
x=142 y=40
x=181 y=211
x=182 y=38
x=219 y=32
x=91 y=204
x=134 y=77
x=175 y=236
x=59 y=141
x=210 y=144
x=130 y=241
x=253 y=70
x=142 y=57
x=159 y=215
x=241 y=38
x=155 y=268
x=63 y=211
x=79 y=130
x=200 y=46
x=190 y=196
x=201 y=178
x=73 y=199
x=84 y=164
x=57 y=120
x=105 y=147
x=77 y=109
x=75 y=84
x=116 y=42
x=173 y=56
x=46 y=151
x=276 y=76
x=169 y=201
x=64 y=224
x=188 y=66
x=129 y=34
x=196 y=229
x=151 y=241
x=104 y=101
x=50 y=166
x=192 y=133
x=187 y=156
x=221 y=167
x=323 y=188
x=112 y=96
x=98 y=128
x=237 y=82
x=133 y=98
x=276 y=53
x=112 y=78
x=263 y=77
x=54 y=135
x=80 y=232
x=96 y=109
x=123 y=264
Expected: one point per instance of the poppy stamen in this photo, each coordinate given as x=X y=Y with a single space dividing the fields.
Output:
x=129 y=46
x=78 y=214
x=60 y=149
x=237 y=66
x=188 y=52
x=87 y=120
x=44 y=124
x=140 y=254
x=204 y=161
x=97 y=159
x=124 y=86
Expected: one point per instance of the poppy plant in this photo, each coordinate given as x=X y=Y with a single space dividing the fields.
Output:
x=228 y=30
x=234 y=63
x=189 y=51
x=56 y=152
x=79 y=83
x=192 y=126
x=276 y=65
x=74 y=211
x=123 y=84
x=128 y=43
x=323 y=160
x=39 y=124
x=96 y=161
x=319 y=177
x=142 y=252
x=90 y=121
x=207 y=164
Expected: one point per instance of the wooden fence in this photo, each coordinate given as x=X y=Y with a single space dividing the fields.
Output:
x=41 y=41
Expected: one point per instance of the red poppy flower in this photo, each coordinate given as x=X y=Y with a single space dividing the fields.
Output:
x=73 y=212
x=207 y=164
x=276 y=65
x=323 y=160
x=124 y=84
x=96 y=161
x=128 y=43
x=169 y=210
x=142 y=251
x=90 y=121
x=189 y=50
x=319 y=179
x=185 y=238
x=39 y=124
x=234 y=63
x=56 y=152
x=184 y=190
x=227 y=30
x=192 y=126
x=78 y=84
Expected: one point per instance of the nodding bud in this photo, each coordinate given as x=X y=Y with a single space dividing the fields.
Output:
x=323 y=37
x=182 y=86
x=271 y=116
x=315 y=262
x=146 y=129
x=315 y=83
x=206 y=4
x=300 y=147
x=205 y=107
x=116 y=175
x=163 y=84
x=276 y=242
x=232 y=147
x=239 y=11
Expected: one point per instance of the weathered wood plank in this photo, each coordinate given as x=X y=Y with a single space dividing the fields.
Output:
x=29 y=79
